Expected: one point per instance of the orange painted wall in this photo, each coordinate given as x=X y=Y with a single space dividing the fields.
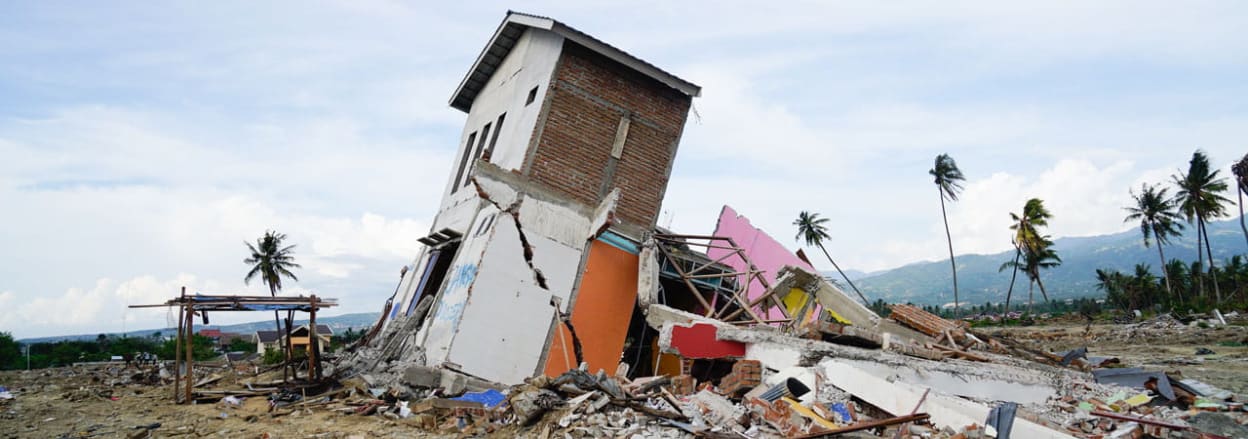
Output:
x=603 y=308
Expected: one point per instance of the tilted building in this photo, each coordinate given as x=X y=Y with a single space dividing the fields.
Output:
x=561 y=171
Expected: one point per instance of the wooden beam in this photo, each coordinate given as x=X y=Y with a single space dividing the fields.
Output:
x=190 y=357
x=868 y=425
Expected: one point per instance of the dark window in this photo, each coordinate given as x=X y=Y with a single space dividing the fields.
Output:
x=532 y=96
x=463 y=162
x=485 y=132
x=498 y=126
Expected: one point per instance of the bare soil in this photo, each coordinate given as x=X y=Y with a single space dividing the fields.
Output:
x=1154 y=346
x=97 y=401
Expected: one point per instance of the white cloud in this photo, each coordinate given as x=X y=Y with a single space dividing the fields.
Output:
x=149 y=152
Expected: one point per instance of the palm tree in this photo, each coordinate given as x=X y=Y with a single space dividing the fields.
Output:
x=1240 y=169
x=1200 y=200
x=948 y=179
x=1042 y=256
x=1158 y=219
x=810 y=229
x=1027 y=240
x=271 y=262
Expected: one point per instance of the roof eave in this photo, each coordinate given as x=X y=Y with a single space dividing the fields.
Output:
x=461 y=102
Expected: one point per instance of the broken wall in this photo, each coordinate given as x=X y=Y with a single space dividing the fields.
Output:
x=494 y=312
x=765 y=252
x=600 y=315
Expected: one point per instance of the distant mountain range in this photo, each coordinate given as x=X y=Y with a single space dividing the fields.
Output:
x=339 y=324
x=928 y=283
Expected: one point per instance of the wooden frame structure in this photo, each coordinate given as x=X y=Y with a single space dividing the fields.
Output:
x=200 y=304
x=738 y=308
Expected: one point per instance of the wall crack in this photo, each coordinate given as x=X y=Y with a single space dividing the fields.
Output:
x=513 y=210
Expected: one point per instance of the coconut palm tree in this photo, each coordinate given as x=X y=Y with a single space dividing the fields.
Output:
x=1158 y=219
x=1240 y=169
x=948 y=179
x=1200 y=200
x=1027 y=240
x=1042 y=256
x=810 y=229
x=271 y=262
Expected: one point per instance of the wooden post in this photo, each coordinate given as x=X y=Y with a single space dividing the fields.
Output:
x=190 y=358
x=177 y=351
x=315 y=343
x=290 y=347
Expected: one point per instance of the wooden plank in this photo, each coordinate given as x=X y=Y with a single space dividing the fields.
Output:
x=868 y=425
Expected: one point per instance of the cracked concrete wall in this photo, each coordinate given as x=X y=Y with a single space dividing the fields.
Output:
x=493 y=315
x=440 y=328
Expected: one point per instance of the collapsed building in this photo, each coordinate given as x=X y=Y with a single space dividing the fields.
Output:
x=544 y=260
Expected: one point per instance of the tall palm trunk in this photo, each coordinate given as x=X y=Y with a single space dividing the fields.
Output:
x=952 y=265
x=1209 y=251
x=838 y=270
x=1165 y=274
x=1043 y=291
x=1200 y=258
x=1031 y=286
x=1240 y=191
x=1017 y=253
x=277 y=322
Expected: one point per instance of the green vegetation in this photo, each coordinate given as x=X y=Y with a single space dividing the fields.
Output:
x=948 y=179
x=1199 y=198
x=1141 y=289
x=344 y=339
x=273 y=356
x=103 y=348
x=241 y=345
x=1033 y=247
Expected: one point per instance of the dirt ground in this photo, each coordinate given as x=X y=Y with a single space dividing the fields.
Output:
x=1151 y=345
x=93 y=401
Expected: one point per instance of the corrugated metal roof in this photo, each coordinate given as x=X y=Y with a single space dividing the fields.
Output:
x=509 y=32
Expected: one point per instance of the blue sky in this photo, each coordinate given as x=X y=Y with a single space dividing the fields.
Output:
x=143 y=143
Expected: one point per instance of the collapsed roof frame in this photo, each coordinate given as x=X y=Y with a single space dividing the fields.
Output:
x=669 y=245
x=188 y=306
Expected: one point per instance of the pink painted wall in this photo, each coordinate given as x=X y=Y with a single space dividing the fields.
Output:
x=766 y=253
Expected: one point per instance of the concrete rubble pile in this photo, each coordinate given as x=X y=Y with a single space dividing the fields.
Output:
x=764 y=381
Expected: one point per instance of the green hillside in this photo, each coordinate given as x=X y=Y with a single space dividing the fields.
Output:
x=929 y=283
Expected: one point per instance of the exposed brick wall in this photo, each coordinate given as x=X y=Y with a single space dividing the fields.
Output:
x=588 y=96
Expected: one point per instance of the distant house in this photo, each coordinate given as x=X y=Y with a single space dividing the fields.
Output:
x=210 y=333
x=266 y=340
x=300 y=340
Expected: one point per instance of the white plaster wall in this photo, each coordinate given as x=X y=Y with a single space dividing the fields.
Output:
x=530 y=63
x=559 y=264
x=560 y=223
x=440 y=328
x=507 y=318
x=773 y=355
